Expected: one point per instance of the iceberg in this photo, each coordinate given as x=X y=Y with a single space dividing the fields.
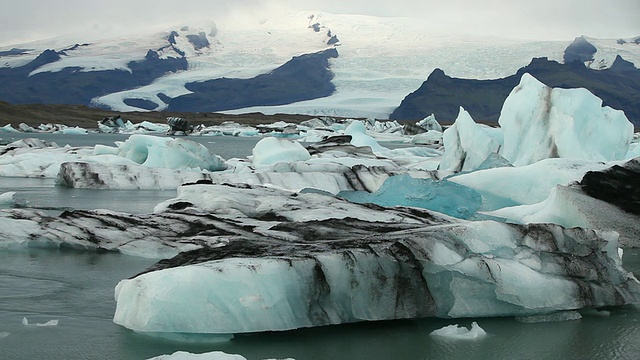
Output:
x=269 y=151
x=539 y=122
x=213 y=355
x=359 y=137
x=468 y=144
x=430 y=124
x=431 y=137
x=54 y=322
x=536 y=123
x=529 y=184
x=8 y=129
x=334 y=166
x=73 y=131
x=160 y=152
x=312 y=260
x=456 y=332
x=7 y=198
x=605 y=200
x=438 y=195
x=243 y=258
x=36 y=158
x=127 y=176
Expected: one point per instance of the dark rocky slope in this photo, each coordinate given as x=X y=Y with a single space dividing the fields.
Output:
x=73 y=86
x=302 y=78
x=617 y=185
x=442 y=95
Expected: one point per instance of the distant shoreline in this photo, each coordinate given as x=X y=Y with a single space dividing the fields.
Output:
x=86 y=117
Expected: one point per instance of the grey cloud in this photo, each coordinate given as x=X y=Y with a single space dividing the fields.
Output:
x=32 y=19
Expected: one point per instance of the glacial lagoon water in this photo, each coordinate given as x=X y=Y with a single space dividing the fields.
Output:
x=76 y=288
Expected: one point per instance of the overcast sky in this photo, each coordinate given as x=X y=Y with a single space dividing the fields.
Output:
x=25 y=20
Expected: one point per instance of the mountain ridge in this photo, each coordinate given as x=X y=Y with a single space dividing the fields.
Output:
x=442 y=95
x=380 y=61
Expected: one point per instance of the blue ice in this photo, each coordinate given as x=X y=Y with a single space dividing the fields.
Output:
x=438 y=195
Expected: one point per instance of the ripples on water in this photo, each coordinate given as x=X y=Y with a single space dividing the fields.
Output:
x=77 y=289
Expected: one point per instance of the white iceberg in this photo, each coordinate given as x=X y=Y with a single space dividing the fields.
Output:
x=359 y=137
x=213 y=355
x=36 y=158
x=456 y=332
x=6 y=199
x=168 y=153
x=468 y=144
x=269 y=151
x=540 y=122
x=54 y=322
x=526 y=184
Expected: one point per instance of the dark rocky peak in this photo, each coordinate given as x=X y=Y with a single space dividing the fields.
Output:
x=47 y=56
x=318 y=27
x=74 y=47
x=579 y=50
x=172 y=37
x=633 y=41
x=539 y=63
x=199 y=41
x=14 y=51
x=622 y=65
x=438 y=75
x=152 y=55
x=333 y=40
x=543 y=65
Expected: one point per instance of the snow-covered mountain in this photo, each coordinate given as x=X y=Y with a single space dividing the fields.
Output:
x=600 y=54
x=303 y=62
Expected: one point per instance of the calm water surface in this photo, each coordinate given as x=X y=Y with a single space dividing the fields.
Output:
x=77 y=289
